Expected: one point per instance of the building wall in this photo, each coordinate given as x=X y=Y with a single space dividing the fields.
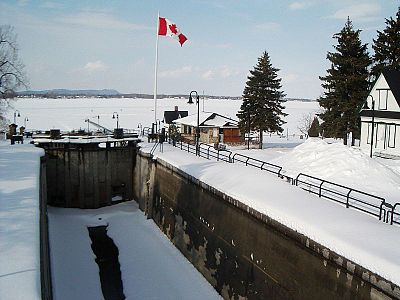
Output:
x=232 y=135
x=386 y=131
x=386 y=135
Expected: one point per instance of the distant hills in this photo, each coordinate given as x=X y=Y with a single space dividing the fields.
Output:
x=66 y=92
x=110 y=93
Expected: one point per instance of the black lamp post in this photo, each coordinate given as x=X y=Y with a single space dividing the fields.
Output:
x=198 y=117
x=248 y=128
x=117 y=116
x=16 y=115
x=25 y=120
x=373 y=121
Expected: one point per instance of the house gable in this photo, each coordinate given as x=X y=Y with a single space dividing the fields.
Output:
x=386 y=92
x=393 y=81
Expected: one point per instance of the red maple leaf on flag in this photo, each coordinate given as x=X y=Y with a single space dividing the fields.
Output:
x=172 y=27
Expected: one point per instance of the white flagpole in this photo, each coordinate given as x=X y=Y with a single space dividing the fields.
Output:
x=155 y=72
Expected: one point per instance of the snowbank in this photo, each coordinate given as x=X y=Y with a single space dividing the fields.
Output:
x=341 y=164
x=19 y=222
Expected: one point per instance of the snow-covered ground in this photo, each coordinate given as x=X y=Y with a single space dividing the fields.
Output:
x=334 y=162
x=151 y=266
x=19 y=222
x=68 y=114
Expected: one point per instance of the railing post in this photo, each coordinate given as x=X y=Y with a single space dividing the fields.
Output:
x=320 y=188
x=380 y=210
x=347 y=198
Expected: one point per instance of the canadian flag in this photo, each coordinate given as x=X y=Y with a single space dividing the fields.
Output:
x=168 y=28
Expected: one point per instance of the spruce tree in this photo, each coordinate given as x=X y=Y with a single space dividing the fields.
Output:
x=387 y=47
x=314 y=128
x=262 y=107
x=346 y=84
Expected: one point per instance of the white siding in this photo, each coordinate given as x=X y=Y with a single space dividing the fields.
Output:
x=381 y=96
x=386 y=131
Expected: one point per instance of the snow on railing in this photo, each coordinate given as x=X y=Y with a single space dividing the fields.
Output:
x=350 y=197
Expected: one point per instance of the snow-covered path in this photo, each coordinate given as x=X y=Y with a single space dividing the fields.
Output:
x=19 y=221
x=151 y=267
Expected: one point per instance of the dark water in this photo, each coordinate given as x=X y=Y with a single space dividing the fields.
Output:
x=107 y=259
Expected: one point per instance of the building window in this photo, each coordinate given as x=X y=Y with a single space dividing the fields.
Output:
x=382 y=100
x=369 y=130
x=391 y=135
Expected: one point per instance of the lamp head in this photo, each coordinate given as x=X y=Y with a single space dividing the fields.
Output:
x=190 y=99
x=365 y=105
x=113 y=116
x=19 y=114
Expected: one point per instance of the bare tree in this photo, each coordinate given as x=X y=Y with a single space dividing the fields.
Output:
x=305 y=123
x=12 y=75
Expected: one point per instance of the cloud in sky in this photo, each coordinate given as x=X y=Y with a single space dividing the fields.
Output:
x=268 y=26
x=95 y=66
x=298 y=5
x=220 y=72
x=363 y=12
x=99 y=20
x=52 y=5
x=22 y=2
x=176 y=73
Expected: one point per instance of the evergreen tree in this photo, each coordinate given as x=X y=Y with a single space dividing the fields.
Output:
x=387 y=47
x=314 y=128
x=346 y=84
x=262 y=108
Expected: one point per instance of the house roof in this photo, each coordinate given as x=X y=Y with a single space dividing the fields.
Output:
x=208 y=119
x=172 y=115
x=393 y=80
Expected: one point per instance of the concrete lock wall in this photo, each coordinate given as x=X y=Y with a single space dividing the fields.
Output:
x=89 y=177
x=243 y=253
x=45 y=270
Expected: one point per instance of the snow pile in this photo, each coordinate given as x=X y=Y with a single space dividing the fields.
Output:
x=19 y=221
x=343 y=165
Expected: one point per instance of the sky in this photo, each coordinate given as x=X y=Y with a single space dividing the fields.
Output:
x=111 y=44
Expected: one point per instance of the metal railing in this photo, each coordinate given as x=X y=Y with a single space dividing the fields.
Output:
x=365 y=202
x=349 y=197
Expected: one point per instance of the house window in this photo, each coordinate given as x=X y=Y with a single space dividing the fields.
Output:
x=391 y=135
x=382 y=100
x=369 y=129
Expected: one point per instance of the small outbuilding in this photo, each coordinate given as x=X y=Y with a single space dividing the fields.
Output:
x=171 y=115
x=214 y=128
x=380 y=117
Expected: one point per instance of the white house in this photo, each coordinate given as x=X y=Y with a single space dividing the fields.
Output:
x=380 y=119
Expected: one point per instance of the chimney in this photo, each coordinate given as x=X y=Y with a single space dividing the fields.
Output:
x=176 y=108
